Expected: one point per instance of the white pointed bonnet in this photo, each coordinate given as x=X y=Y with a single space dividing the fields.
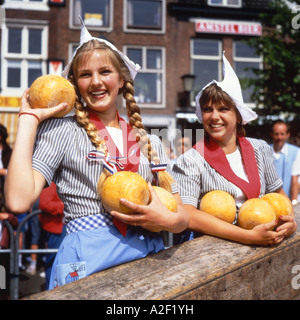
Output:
x=232 y=87
x=85 y=36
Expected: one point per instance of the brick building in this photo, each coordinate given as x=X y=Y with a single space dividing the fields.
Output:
x=168 y=38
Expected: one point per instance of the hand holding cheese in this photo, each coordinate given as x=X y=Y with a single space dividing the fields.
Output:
x=124 y=185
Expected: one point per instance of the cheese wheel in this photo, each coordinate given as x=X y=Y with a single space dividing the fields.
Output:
x=124 y=184
x=280 y=203
x=49 y=91
x=254 y=212
x=220 y=204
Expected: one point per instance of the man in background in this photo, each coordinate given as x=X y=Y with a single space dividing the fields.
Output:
x=287 y=159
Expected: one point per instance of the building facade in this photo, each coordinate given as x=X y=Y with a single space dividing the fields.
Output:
x=169 y=39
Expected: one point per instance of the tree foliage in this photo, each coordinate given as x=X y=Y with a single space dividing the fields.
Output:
x=277 y=85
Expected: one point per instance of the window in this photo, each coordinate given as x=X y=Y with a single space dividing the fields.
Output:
x=144 y=16
x=245 y=58
x=225 y=3
x=97 y=15
x=24 y=55
x=149 y=82
x=206 y=57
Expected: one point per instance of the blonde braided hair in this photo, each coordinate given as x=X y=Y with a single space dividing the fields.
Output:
x=133 y=111
x=135 y=121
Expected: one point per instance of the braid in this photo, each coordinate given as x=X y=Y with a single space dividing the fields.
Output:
x=82 y=118
x=135 y=121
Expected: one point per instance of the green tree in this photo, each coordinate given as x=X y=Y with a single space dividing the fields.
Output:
x=277 y=85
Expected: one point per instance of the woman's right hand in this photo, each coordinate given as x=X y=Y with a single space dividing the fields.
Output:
x=41 y=113
x=264 y=234
x=154 y=216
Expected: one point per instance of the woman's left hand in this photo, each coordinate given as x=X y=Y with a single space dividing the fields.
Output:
x=154 y=215
x=287 y=223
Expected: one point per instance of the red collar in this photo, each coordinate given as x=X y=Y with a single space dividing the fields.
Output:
x=131 y=152
x=131 y=147
x=216 y=157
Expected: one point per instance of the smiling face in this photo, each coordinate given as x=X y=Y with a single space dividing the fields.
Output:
x=220 y=117
x=220 y=122
x=98 y=81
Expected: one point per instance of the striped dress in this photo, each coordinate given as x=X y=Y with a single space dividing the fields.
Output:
x=93 y=243
x=60 y=154
x=195 y=177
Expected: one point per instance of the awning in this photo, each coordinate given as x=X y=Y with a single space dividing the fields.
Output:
x=10 y=121
x=9 y=110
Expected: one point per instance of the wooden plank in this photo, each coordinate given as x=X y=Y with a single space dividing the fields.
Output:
x=204 y=268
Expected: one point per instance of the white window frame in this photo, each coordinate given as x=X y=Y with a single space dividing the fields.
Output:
x=225 y=4
x=149 y=31
x=144 y=49
x=208 y=58
x=71 y=50
x=95 y=28
x=27 y=5
x=258 y=60
x=24 y=56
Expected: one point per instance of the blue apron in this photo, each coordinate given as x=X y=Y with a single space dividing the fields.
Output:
x=89 y=250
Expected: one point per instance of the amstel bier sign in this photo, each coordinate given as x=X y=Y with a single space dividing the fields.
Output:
x=228 y=27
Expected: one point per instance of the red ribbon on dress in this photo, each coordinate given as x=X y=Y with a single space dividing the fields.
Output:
x=130 y=160
x=216 y=157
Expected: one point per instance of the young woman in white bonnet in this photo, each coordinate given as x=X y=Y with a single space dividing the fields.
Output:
x=226 y=160
x=58 y=150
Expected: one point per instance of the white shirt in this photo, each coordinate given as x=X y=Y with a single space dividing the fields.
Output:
x=195 y=177
x=117 y=136
x=237 y=166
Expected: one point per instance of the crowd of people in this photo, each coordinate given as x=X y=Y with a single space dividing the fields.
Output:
x=49 y=168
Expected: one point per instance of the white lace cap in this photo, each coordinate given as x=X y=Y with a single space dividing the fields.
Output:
x=232 y=87
x=85 y=36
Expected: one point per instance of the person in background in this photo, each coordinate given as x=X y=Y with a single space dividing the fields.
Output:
x=287 y=159
x=5 y=244
x=182 y=145
x=51 y=222
x=33 y=234
x=5 y=154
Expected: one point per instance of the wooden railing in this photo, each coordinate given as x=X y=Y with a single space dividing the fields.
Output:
x=204 y=268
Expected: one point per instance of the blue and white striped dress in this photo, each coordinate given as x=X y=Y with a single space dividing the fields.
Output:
x=60 y=156
x=195 y=177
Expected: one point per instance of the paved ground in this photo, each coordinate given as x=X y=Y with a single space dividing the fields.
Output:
x=30 y=284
